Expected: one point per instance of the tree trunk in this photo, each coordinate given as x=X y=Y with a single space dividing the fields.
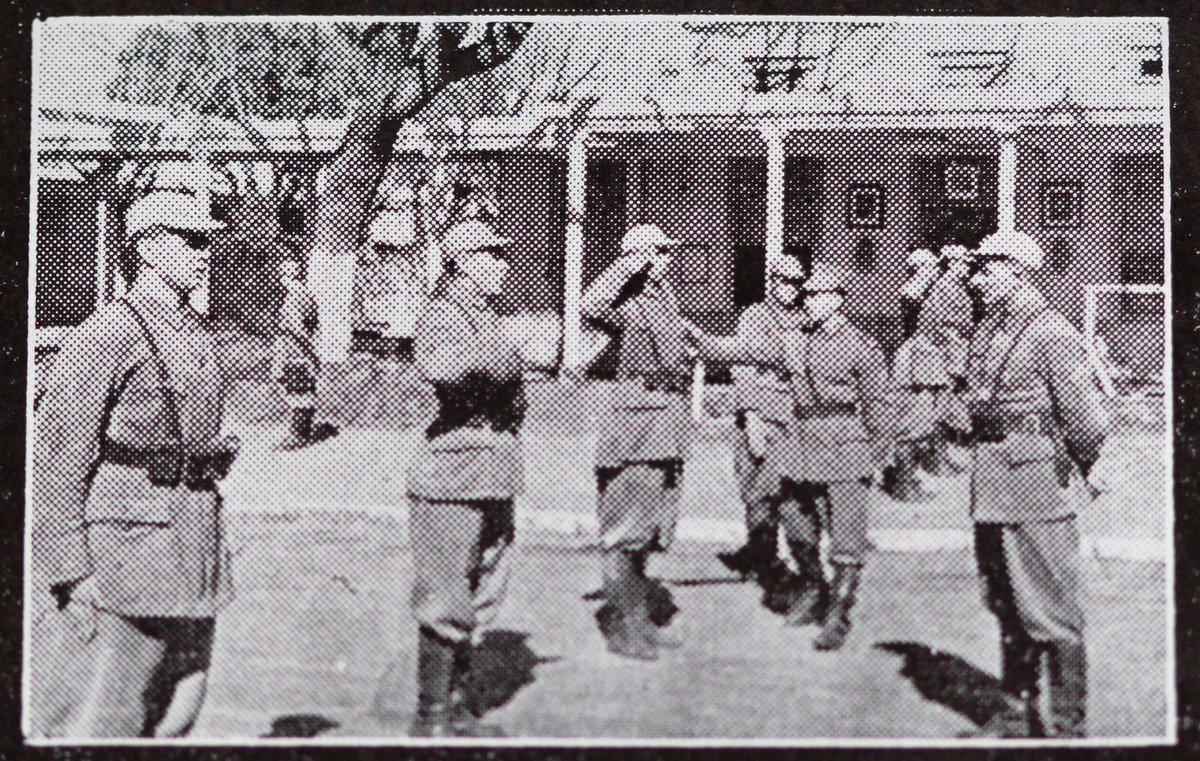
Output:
x=347 y=189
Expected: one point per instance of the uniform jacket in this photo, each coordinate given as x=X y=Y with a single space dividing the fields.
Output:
x=643 y=424
x=1037 y=413
x=105 y=385
x=929 y=368
x=831 y=365
x=760 y=329
x=459 y=338
x=297 y=328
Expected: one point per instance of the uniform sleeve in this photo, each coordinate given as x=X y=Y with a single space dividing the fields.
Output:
x=68 y=426
x=443 y=347
x=873 y=388
x=736 y=348
x=1075 y=392
x=599 y=297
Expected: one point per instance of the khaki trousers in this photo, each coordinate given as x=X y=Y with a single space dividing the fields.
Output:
x=460 y=559
x=97 y=674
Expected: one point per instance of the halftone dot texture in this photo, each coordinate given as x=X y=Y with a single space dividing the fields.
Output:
x=446 y=459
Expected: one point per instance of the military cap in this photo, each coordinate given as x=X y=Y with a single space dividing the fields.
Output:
x=1012 y=246
x=955 y=253
x=921 y=257
x=645 y=238
x=177 y=209
x=471 y=235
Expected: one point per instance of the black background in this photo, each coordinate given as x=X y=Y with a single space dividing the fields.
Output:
x=14 y=293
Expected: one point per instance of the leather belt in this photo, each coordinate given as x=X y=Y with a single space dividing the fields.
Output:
x=670 y=383
x=165 y=466
x=825 y=409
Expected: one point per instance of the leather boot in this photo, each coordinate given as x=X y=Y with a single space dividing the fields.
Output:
x=463 y=715
x=812 y=594
x=755 y=555
x=1019 y=660
x=1018 y=720
x=837 y=619
x=1068 y=690
x=435 y=670
x=625 y=618
x=300 y=433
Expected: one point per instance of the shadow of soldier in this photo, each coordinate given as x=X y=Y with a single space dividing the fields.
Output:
x=948 y=680
x=503 y=665
x=300 y=725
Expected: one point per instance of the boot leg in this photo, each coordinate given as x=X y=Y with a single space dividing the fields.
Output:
x=435 y=669
x=837 y=621
x=1068 y=690
x=462 y=714
x=808 y=605
x=750 y=559
x=624 y=619
x=1019 y=656
x=302 y=423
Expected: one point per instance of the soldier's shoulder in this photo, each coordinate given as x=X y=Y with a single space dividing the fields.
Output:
x=110 y=322
x=1053 y=325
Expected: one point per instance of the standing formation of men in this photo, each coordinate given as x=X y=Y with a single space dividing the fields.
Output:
x=129 y=561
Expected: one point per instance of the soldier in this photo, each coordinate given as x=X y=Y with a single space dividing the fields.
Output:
x=463 y=479
x=1038 y=423
x=839 y=440
x=639 y=465
x=295 y=363
x=765 y=409
x=127 y=535
x=929 y=369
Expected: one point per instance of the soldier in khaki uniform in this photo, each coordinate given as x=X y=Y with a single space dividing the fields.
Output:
x=839 y=439
x=929 y=369
x=1038 y=423
x=765 y=408
x=463 y=479
x=129 y=562
x=295 y=363
x=639 y=466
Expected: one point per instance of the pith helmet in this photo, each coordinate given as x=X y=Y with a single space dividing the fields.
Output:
x=169 y=208
x=921 y=257
x=645 y=238
x=1013 y=246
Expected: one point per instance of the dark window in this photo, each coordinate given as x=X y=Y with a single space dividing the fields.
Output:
x=65 y=292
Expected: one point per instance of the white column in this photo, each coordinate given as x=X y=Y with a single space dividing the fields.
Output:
x=773 y=137
x=1007 y=181
x=573 y=267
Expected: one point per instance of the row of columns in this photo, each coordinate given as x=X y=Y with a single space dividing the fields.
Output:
x=774 y=139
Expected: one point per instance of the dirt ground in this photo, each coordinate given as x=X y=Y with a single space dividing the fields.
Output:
x=322 y=610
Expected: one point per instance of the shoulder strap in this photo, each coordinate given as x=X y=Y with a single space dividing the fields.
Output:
x=462 y=309
x=164 y=375
x=995 y=380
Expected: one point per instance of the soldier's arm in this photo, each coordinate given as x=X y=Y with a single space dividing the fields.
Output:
x=68 y=426
x=600 y=297
x=738 y=348
x=1075 y=391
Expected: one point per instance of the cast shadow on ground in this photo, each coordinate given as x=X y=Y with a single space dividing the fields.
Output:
x=948 y=680
x=300 y=725
x=502 y=666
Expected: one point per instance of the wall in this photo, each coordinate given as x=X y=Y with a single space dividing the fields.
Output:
x=532 y=204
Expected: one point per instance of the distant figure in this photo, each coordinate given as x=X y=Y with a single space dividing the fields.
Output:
x=929 y=369
x=295 y=363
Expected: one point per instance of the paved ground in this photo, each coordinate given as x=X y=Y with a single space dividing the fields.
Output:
x=323 y=576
